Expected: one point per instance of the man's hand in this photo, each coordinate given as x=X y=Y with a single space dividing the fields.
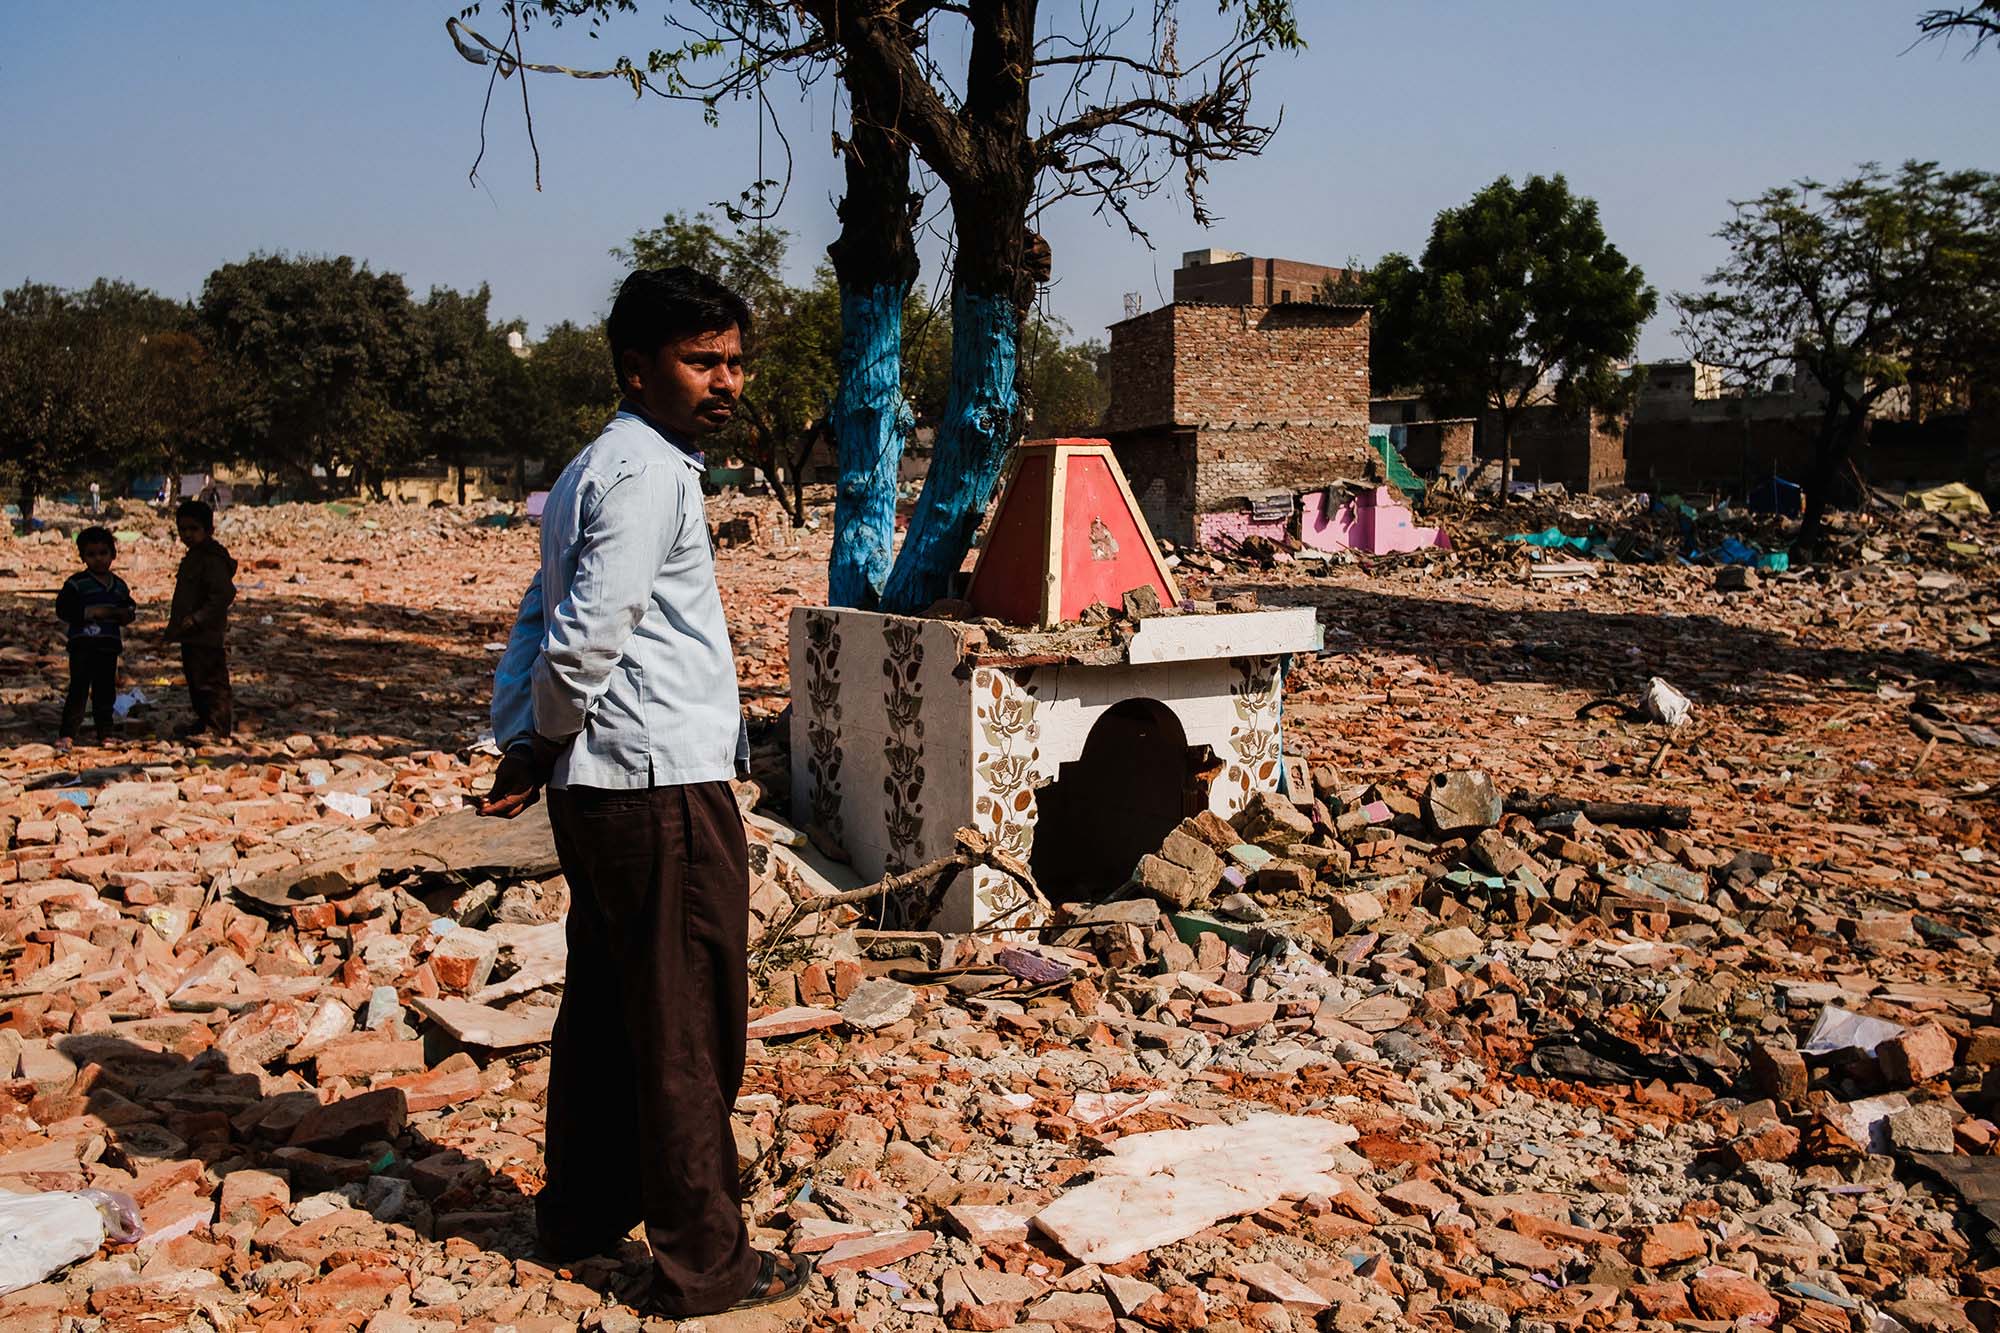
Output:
x=516 y=786
x=518 y=782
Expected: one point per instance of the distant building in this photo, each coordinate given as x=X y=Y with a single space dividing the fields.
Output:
x=1697 y=391
x=1225 y=277
x=1583 y=451
x=1692 y=428
x=1225 y=407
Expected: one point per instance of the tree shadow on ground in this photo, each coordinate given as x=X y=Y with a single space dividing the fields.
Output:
x=413 y=673
x=159 y=1108
x=1611 y=652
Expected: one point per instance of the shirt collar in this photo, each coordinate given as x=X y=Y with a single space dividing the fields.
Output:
x=686 y=452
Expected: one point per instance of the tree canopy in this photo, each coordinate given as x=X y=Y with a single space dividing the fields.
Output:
x=316 y=370
x=327 y=350
x=1095 y=108
x=1517 y=289
x=103 y=378
x=1877 y=284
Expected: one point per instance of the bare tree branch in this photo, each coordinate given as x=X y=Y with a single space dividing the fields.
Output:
x=1980 y=21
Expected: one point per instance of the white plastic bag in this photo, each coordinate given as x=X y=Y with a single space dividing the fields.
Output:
x=1841 y=1029
x=42 y=1233
x=1665 y=704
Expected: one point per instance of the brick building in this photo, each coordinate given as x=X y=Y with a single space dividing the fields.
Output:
x=1245 y=387
x=1439 y=447
x=1212 y=404
x=1583 y=450
x=1224 y=277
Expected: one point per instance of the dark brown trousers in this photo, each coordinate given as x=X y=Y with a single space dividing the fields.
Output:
x=649 y=1041
x=206 y=666
x=93 y=677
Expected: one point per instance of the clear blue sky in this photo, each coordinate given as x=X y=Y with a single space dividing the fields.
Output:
x=152 y=142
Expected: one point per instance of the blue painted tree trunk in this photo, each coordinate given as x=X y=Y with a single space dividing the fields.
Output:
x=972 y=445
x=871 y=420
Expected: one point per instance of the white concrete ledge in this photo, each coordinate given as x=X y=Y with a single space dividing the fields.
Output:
x=1226 y=634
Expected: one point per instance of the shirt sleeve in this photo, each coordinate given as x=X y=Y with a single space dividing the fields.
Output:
x=219 y=592
x=69 y=605
x=513 y=679
x=622 y=543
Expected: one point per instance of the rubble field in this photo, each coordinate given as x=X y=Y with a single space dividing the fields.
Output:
x=1622 y=956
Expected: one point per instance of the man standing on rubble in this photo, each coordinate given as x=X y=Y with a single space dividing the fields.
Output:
x=618 y=692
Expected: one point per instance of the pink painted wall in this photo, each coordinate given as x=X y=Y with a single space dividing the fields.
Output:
x=1217 y=531
x=1374 y=521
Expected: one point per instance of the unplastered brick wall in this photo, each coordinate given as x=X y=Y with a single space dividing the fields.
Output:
x=1583 y=451
x=1439 y=448
x=1142 y=372
x=1250 y=281
x=1238 y=399
x=1233 y=463
x=1246 y=365
x=1159 y=467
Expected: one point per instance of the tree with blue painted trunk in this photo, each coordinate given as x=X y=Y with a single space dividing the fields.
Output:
x=875 y=261
x=978 y=429
x=1098 y=110
x=982 y=153
x=1133 y=129
x=871 y=422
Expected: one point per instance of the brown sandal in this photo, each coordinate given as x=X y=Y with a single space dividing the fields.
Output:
x=775 y=1283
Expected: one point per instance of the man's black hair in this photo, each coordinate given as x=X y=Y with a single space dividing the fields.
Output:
x=96 y=537
x=199 y=511
x=656 y=306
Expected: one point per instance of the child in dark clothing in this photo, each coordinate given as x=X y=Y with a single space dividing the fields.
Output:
x=93 y=605
x=203 y=590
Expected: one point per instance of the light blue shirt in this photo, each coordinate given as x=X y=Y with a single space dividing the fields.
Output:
x=620 y=646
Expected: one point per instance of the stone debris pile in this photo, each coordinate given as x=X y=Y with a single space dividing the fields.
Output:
x=1518 y=1010
x=1541 y=1069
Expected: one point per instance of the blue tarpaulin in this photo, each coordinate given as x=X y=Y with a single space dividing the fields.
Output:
x=1553 y=539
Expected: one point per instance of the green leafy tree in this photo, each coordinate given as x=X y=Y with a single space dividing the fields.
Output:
x=792 y=384
x=1063 y=388
x=1390 y=288
x=1874 y=285
x=555 y=399
x=450 y=392
x=51 y=402
x=94 y=381
x=327 y=351
x=1517 y=287
x=167 y=397
x=182 y=402
x=751 y=260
